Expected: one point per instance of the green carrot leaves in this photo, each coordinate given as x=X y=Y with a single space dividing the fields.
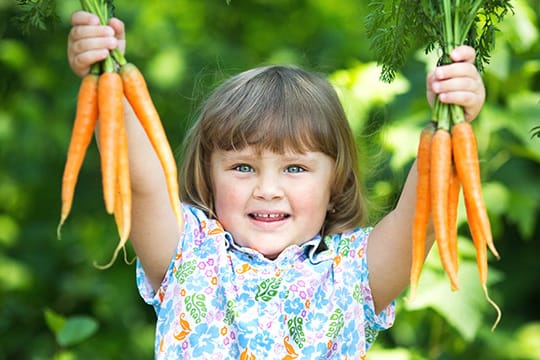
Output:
x=397 y=27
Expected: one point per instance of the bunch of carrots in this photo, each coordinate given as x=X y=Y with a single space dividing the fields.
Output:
x=447 y=163
x=100 y=106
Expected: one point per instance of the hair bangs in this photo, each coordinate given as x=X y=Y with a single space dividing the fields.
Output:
x=273 y=111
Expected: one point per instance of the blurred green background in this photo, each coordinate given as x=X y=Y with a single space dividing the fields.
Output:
x=54 y=304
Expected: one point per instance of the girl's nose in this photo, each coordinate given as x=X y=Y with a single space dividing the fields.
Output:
x=268 y=187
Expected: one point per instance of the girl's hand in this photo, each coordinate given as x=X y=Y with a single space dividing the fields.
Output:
x=89 y=42
x=458 y=83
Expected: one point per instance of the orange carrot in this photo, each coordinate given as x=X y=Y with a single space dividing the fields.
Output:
x=468 y=169
x=124 y=185
x=441 y=158
x=122 y=203
x=137 y=93
x=111 y=112
x=423 y=207
x=454 y=188
x=81 y=136
x=481 y=259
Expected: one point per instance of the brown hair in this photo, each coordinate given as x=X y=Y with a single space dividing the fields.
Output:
x=277 y=108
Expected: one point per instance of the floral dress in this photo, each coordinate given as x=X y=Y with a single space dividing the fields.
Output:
x=219 y=300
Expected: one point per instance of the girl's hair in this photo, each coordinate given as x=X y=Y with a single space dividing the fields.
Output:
x=276 y=108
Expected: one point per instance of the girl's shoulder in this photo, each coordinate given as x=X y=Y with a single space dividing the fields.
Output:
x=198 y=222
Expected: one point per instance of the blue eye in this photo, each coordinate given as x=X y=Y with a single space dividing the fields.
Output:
x=293 y=169
x=243 y=168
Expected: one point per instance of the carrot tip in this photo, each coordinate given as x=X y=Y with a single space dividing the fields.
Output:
x=59 y=228
x=495 y=306
x=111 y=262
x=412 y=292
x=494 y=251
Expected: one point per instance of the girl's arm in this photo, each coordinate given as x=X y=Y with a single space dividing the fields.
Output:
x=154 y=230
x=389 y=253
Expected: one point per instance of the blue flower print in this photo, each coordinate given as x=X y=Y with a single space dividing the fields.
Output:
x=350 y=332
x=320 y=298
x=317 y=323
x=264 y=340
x=202 y=340
x=245 y=301
x=343 y=297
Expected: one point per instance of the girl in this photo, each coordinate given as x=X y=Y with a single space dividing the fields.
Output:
x=272 y=261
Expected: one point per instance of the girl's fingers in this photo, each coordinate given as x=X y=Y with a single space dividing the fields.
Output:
x=454 y=70
x=463 y=53
x=79 y=32
x=82 y=62
x=463 y=84
x=118 y=28
x=84 y=18
x=470 y=101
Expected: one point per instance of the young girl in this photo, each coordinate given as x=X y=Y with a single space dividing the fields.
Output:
x=272 y=261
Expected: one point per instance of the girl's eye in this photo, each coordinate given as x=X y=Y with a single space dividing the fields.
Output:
x=243 y=168
x=294 y=169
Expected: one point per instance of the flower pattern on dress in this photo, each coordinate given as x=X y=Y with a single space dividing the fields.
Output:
x=219 y=300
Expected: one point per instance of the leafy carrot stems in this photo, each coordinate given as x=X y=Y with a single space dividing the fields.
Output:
x=101 y=102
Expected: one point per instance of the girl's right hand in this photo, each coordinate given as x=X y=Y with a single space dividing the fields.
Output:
x=89 y=42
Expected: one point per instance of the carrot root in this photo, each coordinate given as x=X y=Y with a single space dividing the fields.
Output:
x=495 y=306
x=137 y=94
x=81 y=136
x=422 y=208
x=439 y=174
x=468 y=168
x=111 y=112
x=453 y=202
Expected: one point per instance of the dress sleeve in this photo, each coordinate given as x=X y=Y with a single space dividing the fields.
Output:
x=155 y=298
x=384 y=319
x=373 y=322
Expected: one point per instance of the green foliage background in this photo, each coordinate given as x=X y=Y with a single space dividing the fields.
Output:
x=55 y=304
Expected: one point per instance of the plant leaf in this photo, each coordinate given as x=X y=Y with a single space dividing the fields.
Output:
x=76 y=330
x=54 y=321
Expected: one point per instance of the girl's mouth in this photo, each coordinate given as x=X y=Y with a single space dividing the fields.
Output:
x=268 y=217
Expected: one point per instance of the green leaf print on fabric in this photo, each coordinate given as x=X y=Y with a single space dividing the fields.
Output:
x=371 y=335
x=230 y=312
x=357 y=294
x=268 y=289
x=185 y=270
x=296 y=329
x=336 y=324
x=345 y=246
x=196 y=305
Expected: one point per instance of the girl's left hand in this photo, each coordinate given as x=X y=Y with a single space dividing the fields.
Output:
x=458 y=83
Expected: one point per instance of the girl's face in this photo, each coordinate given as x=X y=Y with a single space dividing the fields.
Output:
x=269 y=201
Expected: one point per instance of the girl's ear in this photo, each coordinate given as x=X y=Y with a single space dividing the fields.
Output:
x=330 y=208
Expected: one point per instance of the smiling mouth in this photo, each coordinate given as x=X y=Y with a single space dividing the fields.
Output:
x=269 y=217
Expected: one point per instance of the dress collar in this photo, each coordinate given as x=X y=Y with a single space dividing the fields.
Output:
x=316 y=250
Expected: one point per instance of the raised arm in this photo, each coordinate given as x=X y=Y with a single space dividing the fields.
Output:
x=155 y=230
x=390 y=244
